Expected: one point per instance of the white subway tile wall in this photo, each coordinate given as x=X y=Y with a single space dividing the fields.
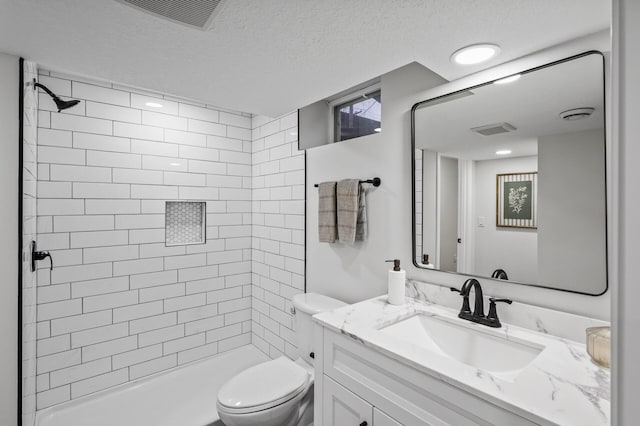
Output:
x=30 y=296
x=278 y=235
x=119 y=304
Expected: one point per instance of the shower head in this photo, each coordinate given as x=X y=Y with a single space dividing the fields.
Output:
x=64 y=104
x=61 y=104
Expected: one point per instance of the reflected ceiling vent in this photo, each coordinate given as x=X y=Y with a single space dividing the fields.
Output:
x=194 y=13
x=494 y=129
x=576 y=113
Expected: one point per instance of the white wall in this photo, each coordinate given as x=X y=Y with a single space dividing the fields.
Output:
x=278 y=257
x=448 y=212
x=357 y=272
x=9 y=163
x=626 y=109
x=513 y=249
x=571 y=211
x=119 y=304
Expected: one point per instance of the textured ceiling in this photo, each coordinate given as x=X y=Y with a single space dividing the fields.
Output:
x=532 y=104
x=273 y=56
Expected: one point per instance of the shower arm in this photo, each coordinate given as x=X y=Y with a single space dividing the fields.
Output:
x=45 y=88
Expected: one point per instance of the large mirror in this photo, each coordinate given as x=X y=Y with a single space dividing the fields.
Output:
x=509 y=178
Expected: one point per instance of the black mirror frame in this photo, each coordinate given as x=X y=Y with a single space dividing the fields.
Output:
x=424 y=103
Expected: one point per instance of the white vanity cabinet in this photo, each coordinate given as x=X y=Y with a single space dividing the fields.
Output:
x=358 y=386
x=381 y=419
x=343 y=407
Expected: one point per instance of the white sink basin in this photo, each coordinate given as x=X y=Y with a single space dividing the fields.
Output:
x=466 y=344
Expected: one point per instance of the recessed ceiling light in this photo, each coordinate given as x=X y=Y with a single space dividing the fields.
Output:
x=508 y=79
x=475 y=54
x=503 y=152
x=153 y=105
x=377 y=129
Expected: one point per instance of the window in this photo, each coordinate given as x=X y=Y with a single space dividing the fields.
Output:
x=346 y=115
x=359 y=116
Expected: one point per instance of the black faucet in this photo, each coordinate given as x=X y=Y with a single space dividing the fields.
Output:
x=478 y=309
x=477 y=315
x=500 y=274
x=492 y=316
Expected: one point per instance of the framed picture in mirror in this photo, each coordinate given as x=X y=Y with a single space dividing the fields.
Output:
x=516 y=200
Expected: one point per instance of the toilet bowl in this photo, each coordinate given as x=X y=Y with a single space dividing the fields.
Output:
x=269 y=394
x=277 y=392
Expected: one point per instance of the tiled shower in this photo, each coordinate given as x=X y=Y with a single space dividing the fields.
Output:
x=121 y=303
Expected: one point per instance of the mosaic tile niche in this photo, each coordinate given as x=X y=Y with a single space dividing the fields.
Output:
x=185 y=223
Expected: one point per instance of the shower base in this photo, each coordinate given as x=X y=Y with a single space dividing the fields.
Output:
x=183 y=396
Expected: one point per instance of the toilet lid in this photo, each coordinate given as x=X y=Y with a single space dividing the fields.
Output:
x=264 y=386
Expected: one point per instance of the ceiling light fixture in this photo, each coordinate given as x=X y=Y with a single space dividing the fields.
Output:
x=503 y=152
x=153 y=105
x=475 y=54
x=377 y=129
x=507 y=80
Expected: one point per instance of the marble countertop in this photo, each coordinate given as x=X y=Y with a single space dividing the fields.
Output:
x=561 y=386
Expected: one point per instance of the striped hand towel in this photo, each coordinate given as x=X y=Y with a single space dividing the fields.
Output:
x=327 y=212
x=352 y=211
x=361 y=224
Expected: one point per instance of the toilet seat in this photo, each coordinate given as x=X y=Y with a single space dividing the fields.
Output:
x=263 y=386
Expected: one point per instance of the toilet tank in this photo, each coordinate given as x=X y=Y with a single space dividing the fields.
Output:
x=307 y=305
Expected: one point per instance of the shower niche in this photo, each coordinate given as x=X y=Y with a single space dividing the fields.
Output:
x=185 y=223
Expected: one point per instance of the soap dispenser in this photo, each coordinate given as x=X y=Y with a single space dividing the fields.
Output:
x=425 y=262
x=397 y=279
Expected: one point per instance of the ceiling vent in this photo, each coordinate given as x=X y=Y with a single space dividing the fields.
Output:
x=494 y=129
x=194 y=13
x=576 y=113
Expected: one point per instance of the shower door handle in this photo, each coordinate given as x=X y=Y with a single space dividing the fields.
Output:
x=39 y=255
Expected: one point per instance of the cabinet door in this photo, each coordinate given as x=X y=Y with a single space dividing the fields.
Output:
x=344 y=408
x=381 y=419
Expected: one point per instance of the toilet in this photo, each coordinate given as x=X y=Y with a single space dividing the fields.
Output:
x=278 y=392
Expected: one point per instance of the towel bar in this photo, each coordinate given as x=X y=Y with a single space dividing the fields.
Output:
x=376 y=181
